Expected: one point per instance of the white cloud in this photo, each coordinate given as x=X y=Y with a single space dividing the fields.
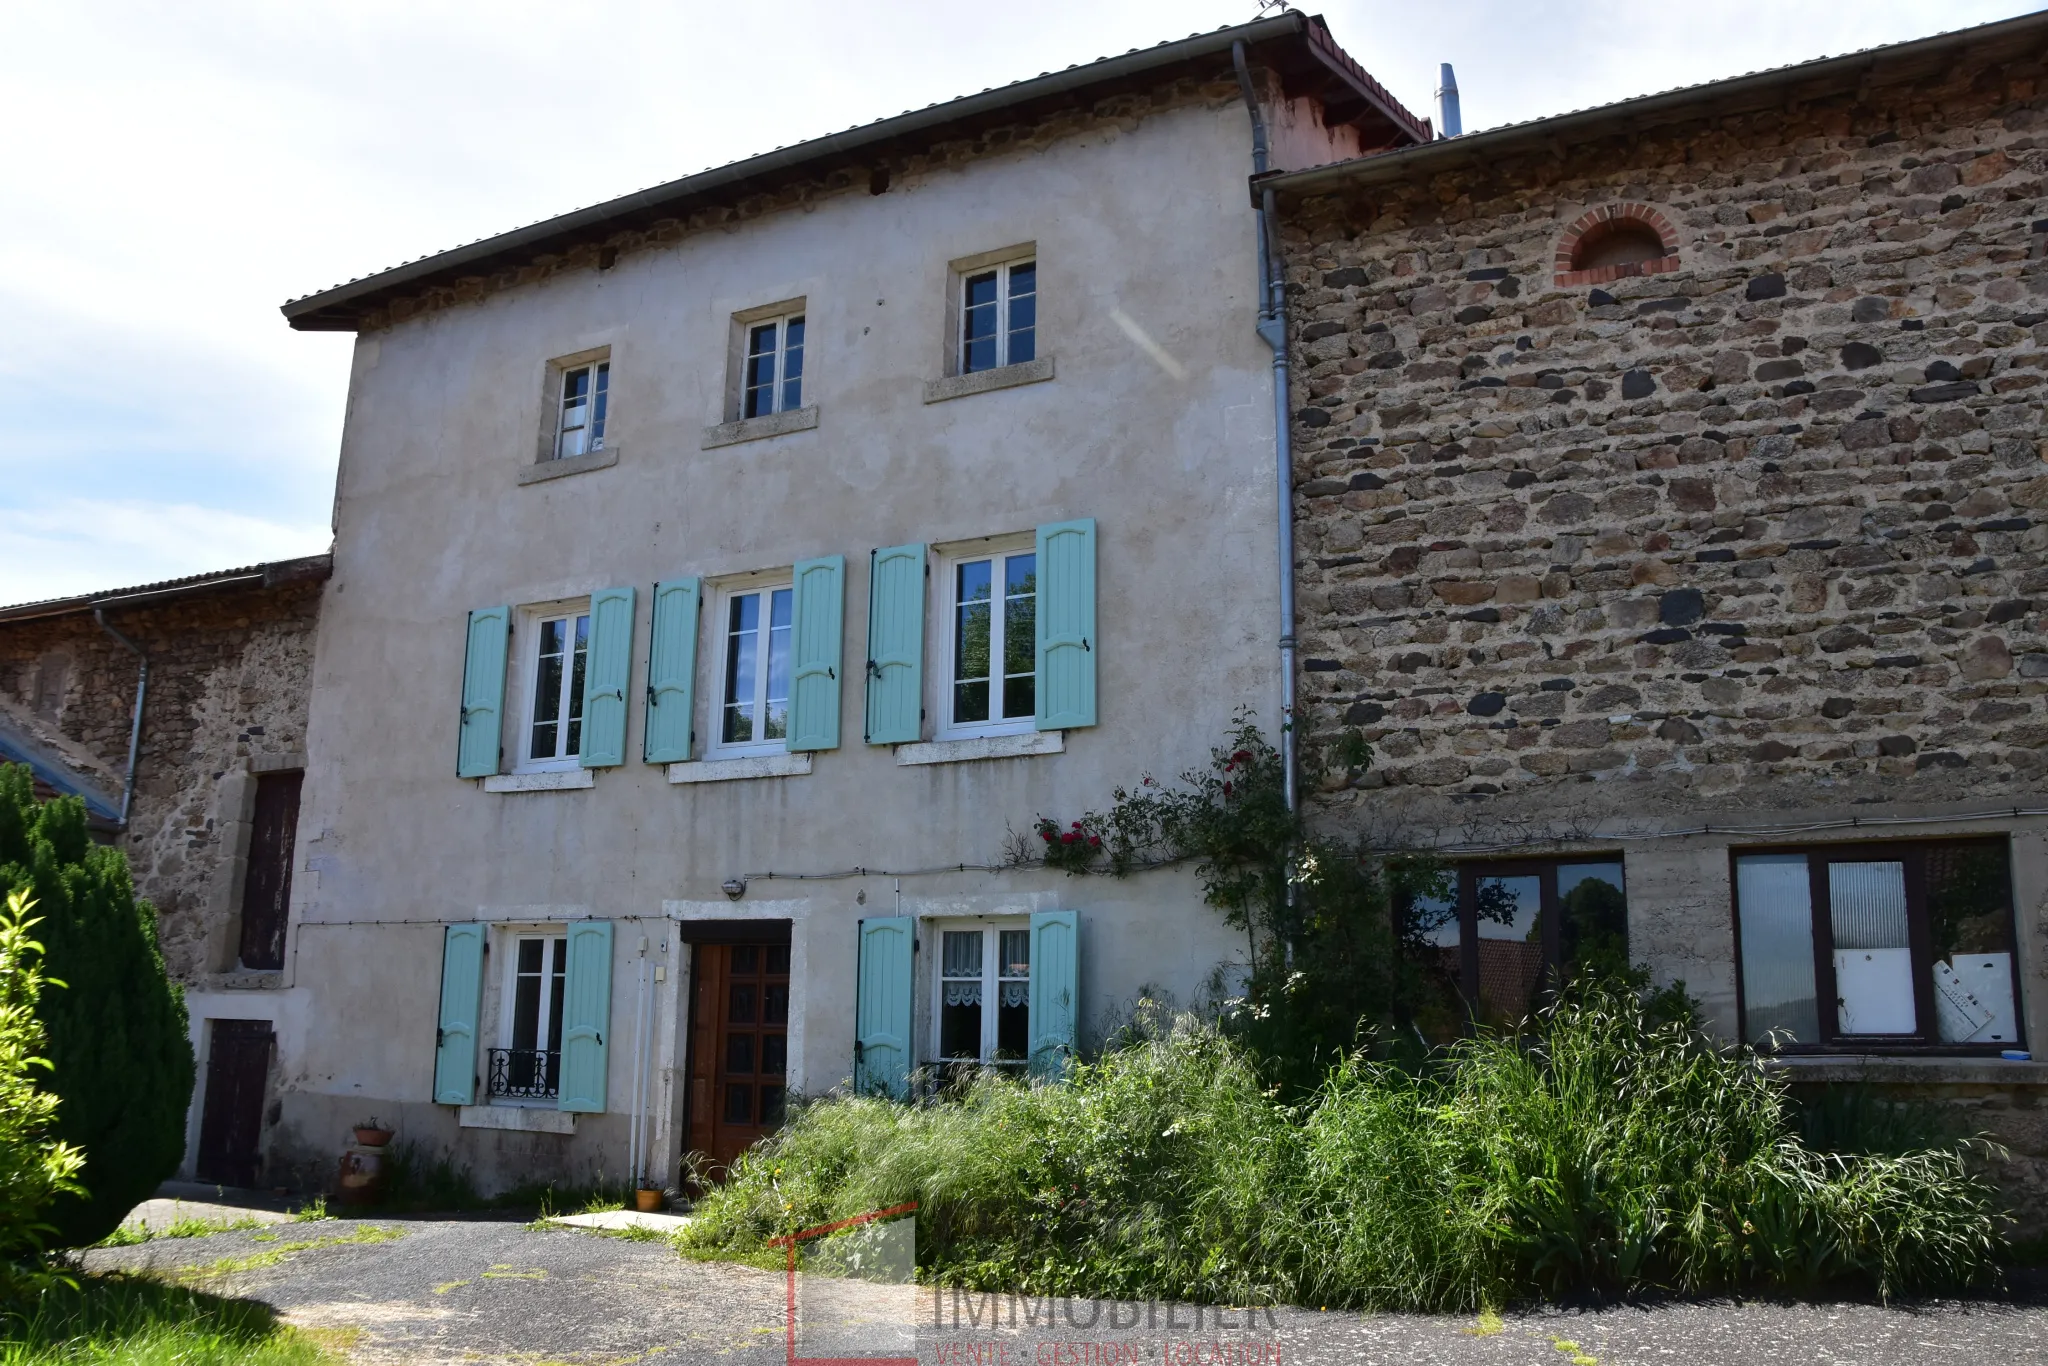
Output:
x=81 y=545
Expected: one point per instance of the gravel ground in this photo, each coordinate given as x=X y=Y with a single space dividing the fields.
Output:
x=474 y=1291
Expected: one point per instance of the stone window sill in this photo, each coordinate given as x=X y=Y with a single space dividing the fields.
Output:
x=761 y=428
x=983 y=747
x=543 y=470
x=982 y=381
x=251 y=979
x=733 y=770
x=530 y=1119
x=1902 y=1069
x=557 y=780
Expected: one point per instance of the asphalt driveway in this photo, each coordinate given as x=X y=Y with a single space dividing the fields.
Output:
x=462 y=1290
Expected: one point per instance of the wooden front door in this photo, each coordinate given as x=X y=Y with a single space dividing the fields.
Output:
x=739 y=1043
x=231 y=1125
x=267 y=886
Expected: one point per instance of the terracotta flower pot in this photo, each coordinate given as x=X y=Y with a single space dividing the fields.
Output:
x=373 y=1138
x=647 y=1201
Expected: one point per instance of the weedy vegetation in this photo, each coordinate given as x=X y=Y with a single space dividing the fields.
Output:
x=122 y=1320
x=1606 y=1152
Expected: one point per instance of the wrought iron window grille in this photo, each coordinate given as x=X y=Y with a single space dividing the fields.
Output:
x=525 y=1073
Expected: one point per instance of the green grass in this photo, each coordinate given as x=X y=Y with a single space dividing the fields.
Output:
x=1603 y=1153
x=129 y=1235
x=123 y=1320
x=271 y=1256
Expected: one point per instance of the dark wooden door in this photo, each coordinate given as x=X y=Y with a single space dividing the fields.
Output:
x=231 y=1125
x=739 y=1044
x=267 y=887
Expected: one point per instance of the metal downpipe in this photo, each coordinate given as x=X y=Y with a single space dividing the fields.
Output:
x=135 y=725
x=1272 y=327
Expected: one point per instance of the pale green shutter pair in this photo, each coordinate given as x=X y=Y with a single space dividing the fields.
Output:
x=1065 y=641
x=586 y=1015
x=885 y=1001
x=607 y=672
x=817 y=625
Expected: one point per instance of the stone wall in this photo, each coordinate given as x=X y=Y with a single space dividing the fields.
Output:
x=229 y=673
x=1765 y=529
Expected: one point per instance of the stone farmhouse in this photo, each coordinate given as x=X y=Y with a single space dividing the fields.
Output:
x=728 y=577
x=1670 y=480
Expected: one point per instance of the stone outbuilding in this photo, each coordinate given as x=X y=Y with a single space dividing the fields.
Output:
x=177 y=710
x=1671 y=487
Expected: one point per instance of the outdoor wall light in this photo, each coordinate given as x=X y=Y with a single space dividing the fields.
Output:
x=735 y=887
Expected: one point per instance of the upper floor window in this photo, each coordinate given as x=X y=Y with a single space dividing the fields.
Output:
x=1878 y=945
x=998 y=316
x=754 y=620
x=554 y=701
x=774 y=380
x=580 y=411
x=991 y=646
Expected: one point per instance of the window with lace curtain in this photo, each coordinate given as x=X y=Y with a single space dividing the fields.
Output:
x=983 y=1010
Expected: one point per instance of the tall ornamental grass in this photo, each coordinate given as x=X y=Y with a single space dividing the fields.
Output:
x=1603 y=1154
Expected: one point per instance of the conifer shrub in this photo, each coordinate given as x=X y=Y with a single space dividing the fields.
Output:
x=34 y=1167
x=120 y=1057
x=1607 y=1151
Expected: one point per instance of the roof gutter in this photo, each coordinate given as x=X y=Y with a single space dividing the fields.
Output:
x=1840 y=73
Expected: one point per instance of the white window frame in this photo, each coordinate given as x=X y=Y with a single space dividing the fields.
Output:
x=992 y=978
x=950 y=560
x=528 y=636
x=596 y=408
x=557 y=936
x=1001 y=270
x=778 y=399
x=765 y=584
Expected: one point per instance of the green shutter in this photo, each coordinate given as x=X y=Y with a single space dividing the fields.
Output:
x=882 y=1006
x=1055 y=989
x=483 y=692
x=586 y=1015
x=462 y=989
x=607 y=671
x=1066 y=625
x=896 y=646
x=817 y=619
x=671 y=671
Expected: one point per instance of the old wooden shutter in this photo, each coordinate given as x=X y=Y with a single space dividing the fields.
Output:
x=586 y=1015
x=462 y=986
x=817 y=620
x=267 y=882
x=483 y=692
x=882 y=1008
x=1055 y=989
x=896 y=646
x=1066 y=625
x=607 y=671
x=671 y=672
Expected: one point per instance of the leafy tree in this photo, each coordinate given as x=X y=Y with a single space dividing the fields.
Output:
x=34 y=1167
x=118 y=1046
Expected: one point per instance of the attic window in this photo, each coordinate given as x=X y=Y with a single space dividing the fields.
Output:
x=1616 y=241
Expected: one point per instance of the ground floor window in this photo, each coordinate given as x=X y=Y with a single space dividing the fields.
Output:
x=530 y=1066
x=1507 y=933
x=983 y=1010
x=1878 y=945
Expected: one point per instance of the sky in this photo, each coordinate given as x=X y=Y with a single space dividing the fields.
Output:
x=179 y=171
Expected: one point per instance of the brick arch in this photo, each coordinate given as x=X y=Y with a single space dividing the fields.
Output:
x=1594 y=224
